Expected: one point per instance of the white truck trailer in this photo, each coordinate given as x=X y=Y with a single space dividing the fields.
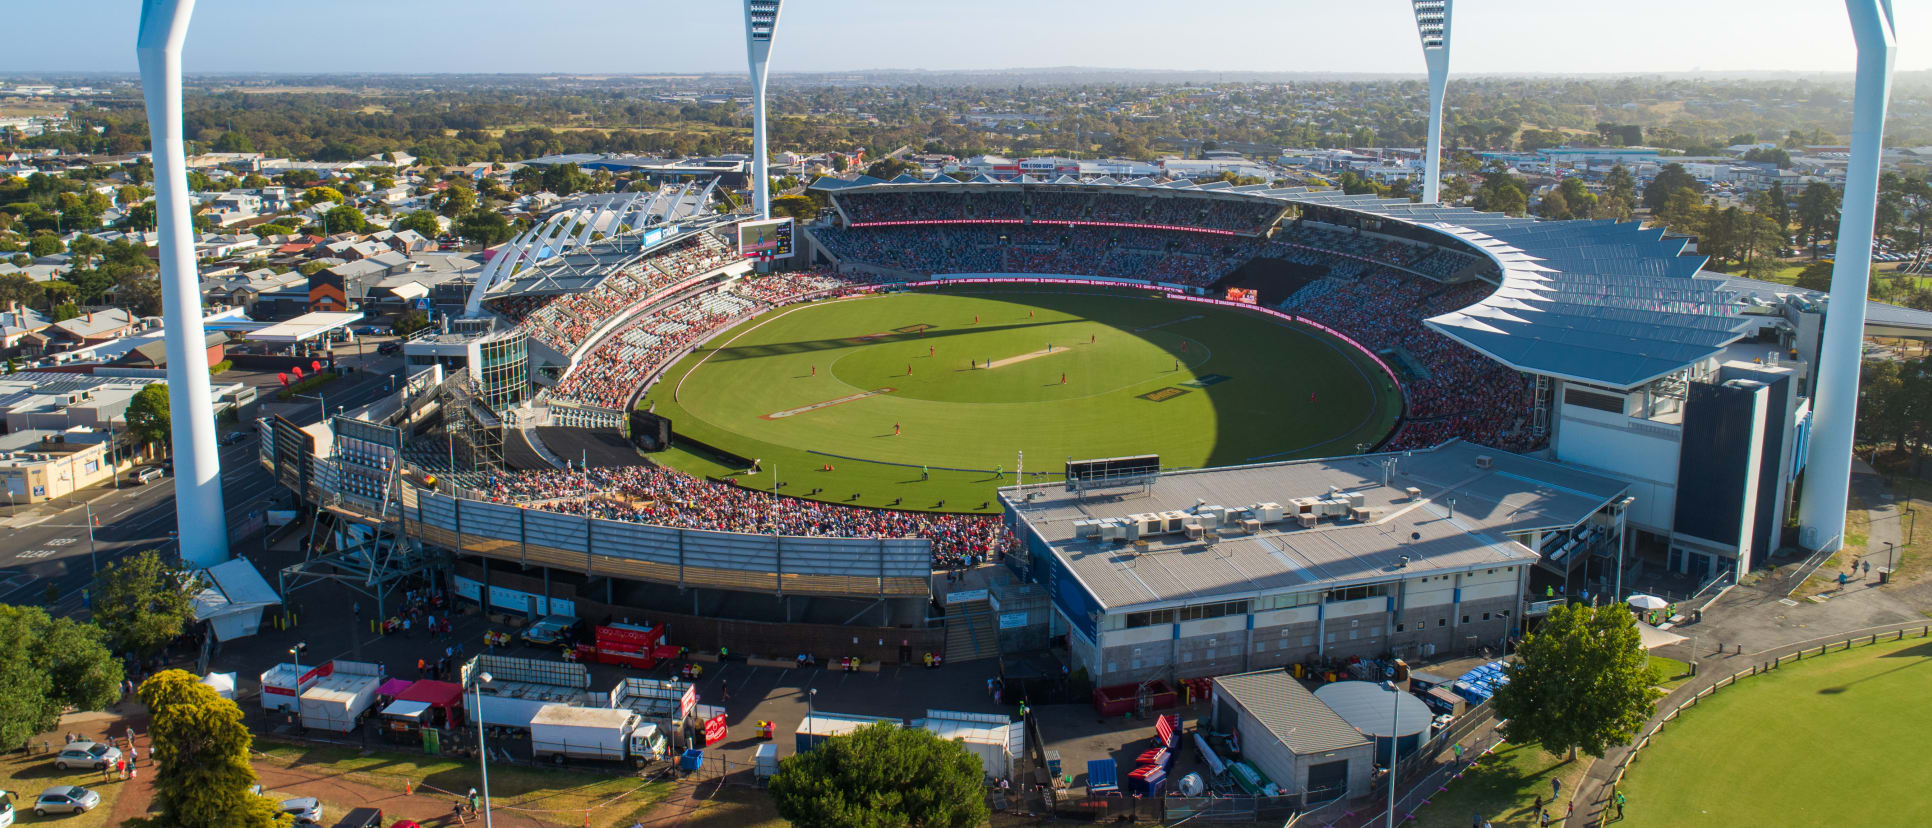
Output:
x=594 y=733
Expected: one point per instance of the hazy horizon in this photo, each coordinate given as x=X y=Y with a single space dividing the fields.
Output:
x=1491 y=38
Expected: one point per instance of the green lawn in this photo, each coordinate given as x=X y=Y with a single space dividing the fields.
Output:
x=26 y=775
x=1674 y=672
x=1080 y=375
x=1503 y=788
x=1834 y=740
x=611 y=795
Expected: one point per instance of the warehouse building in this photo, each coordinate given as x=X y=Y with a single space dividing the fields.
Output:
x=1407 y=554
x=1294 y=740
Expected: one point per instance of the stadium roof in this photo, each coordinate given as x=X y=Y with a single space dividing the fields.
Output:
x=1461 y=522
x=1603 y=302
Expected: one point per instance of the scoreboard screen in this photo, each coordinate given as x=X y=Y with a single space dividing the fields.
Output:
x=765 y=239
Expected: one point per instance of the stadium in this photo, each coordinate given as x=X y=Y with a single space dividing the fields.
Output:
x=1258 y=425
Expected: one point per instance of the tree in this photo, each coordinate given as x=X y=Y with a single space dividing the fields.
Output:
x=484 y=227
x=202 y=778
x=455 y=200
x=881 y=775
x=1619 y=194
x=85 y=249
x=410 y=321
x=49 y=664
x=141 y=216
x=890 y=168
x=1669 y=180
x=344 y=219
x=44 y=244
x=147 y=414
x=422 y=221
x=796 y=206
x=317 y=195
x=1554 y=206
x=141 y=603
x=564 y=179
x=1582 y=681
x=1817 y=214
x=1582 y=202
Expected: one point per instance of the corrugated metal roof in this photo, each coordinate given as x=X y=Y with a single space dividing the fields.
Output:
x=1515 y=494
x=1278 y=702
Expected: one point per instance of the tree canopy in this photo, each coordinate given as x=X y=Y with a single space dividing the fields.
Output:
x=147 y=414
x=421 y=221
x=202 y=778
x=881 y=776
x=1581 y=681
x=47 y=665
x=141 y=603
x=344 y=219
x=1669 y=180
x=484 y=227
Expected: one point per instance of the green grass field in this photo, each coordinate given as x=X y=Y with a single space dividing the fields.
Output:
x=1082 y=375
x=1833 y=740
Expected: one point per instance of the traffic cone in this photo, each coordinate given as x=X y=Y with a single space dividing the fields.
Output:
x=405 y=787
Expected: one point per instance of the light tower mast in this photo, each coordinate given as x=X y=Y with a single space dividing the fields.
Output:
x=1432 y=19
x=199 y=517
x=761 y=22
x=1821 y=510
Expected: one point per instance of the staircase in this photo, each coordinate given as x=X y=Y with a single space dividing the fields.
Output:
x=970 y=632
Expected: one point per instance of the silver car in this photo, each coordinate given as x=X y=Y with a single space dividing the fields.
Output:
x=65 y=799
x=92 y=755
x=306 y=810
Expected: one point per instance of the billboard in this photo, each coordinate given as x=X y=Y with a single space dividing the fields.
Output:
x=770 y=239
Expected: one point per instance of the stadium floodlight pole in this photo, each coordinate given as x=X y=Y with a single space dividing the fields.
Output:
x=1821 y=510
x=197 y=487
x=761 y=22
x=1432 y=19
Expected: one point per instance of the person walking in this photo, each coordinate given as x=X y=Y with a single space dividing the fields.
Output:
x=1620 y=805
x=1556 y=788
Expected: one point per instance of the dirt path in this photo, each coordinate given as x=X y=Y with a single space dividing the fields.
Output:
x=1002 y=363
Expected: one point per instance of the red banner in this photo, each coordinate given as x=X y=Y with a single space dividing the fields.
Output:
x=283 y=376
x=714 y=729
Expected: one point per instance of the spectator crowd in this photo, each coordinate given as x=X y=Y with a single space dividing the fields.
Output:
x=666 y=497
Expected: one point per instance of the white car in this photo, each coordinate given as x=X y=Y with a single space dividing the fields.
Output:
x=307 y=810
x=6 y=809
x=65 y=799
x=91 y=755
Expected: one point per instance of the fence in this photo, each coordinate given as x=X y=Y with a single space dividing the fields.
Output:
x=1789 y=653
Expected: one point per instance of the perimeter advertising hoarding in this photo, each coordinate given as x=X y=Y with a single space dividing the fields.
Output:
x=770 y=239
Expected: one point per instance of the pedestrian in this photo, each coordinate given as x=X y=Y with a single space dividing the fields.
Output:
x=70 y=738
x=120 y=768
x=1311 y=396
x=405 y=628
x=895 y=428
x=1063 y=378
x=1476 y=820
x=1556 y=787
x=815 y=370
x=1458 y=752
x=1545 y=819
x=1841 y=580
x=908 y=369
x=1620 y=804
x=1867 y=566
x=930 y=350
x=1539 y=804
x=133 y=773
x=357 y=609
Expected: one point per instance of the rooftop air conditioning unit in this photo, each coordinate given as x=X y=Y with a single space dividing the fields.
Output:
x=1306 y=519
x=1267 y=512
x=1357 y=499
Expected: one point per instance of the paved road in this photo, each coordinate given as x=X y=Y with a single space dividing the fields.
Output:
x=57 y=551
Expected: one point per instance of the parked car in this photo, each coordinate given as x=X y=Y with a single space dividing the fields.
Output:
x=65 y=799
x=361 y=818
x=149 y=475
x=233 y=437
x=87 y=755
x=6 y=809
x=389 y=347
x=306 y=810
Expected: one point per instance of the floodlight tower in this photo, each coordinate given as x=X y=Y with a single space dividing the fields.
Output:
x=761 y=22
x=1432 y=23
x=198 y=511
x=1821 y=511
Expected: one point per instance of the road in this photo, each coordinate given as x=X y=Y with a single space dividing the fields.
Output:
x=57 y=552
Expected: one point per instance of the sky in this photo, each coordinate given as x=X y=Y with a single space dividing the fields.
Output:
x=661 y=36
